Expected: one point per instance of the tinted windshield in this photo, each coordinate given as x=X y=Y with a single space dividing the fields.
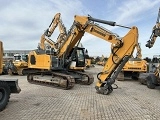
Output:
x=17 y=57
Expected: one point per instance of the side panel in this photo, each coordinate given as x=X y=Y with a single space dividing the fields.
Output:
x=39 y=61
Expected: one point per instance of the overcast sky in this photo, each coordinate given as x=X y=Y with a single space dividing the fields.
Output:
x=22 y=22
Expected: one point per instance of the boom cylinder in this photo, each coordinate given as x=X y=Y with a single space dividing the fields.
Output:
x=103 y=21
x=111 y=23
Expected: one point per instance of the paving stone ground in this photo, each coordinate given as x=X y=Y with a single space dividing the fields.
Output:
x=131 y=101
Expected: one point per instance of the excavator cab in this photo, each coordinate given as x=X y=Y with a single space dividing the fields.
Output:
x=77 y=59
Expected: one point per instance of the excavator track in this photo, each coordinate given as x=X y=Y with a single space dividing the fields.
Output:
x=86 y=78
x=55 y=79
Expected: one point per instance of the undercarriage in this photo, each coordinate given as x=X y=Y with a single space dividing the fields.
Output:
x=63 y=79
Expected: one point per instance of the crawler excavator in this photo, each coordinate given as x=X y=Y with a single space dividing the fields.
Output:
x=153 y=79
x=56 y=64
x=44 y=60
x=134 y=67
x=7 y=86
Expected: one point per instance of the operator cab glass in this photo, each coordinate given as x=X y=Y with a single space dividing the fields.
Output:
x=77 y=56
x=17 y=57
x=25 y=57
x=20 y=57
x=80 y=57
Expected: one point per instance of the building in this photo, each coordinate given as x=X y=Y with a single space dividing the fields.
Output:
x=10 y=53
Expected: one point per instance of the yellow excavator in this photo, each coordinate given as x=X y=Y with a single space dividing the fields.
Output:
x=7 y=86
x=134 y=67
x=88 y=60
x=17 y=65
x=102 y=61
x=44 y=60
x=153 y=79
x=54 y=66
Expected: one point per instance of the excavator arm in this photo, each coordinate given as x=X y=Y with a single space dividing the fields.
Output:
x=155 y=33
x=48 y=40
x=63 y=33
x=47 y=34
x=120 y=54
x=121 y=47
x=53 y=25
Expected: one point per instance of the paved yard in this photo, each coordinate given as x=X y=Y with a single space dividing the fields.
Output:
x=131 y=101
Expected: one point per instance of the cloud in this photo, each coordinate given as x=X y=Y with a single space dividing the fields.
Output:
x=24 y=21
x=140 y=13
x=132 y=11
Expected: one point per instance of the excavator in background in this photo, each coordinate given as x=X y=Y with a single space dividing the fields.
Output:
x=134 y=67
x=48 y=33
x=54 y=66
x=18 y=64
x=88 y=60
x=6 y=60
x=88 y=63
x=152 y=65
x=153 y=79
x=7 y=86
x=102 y=61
